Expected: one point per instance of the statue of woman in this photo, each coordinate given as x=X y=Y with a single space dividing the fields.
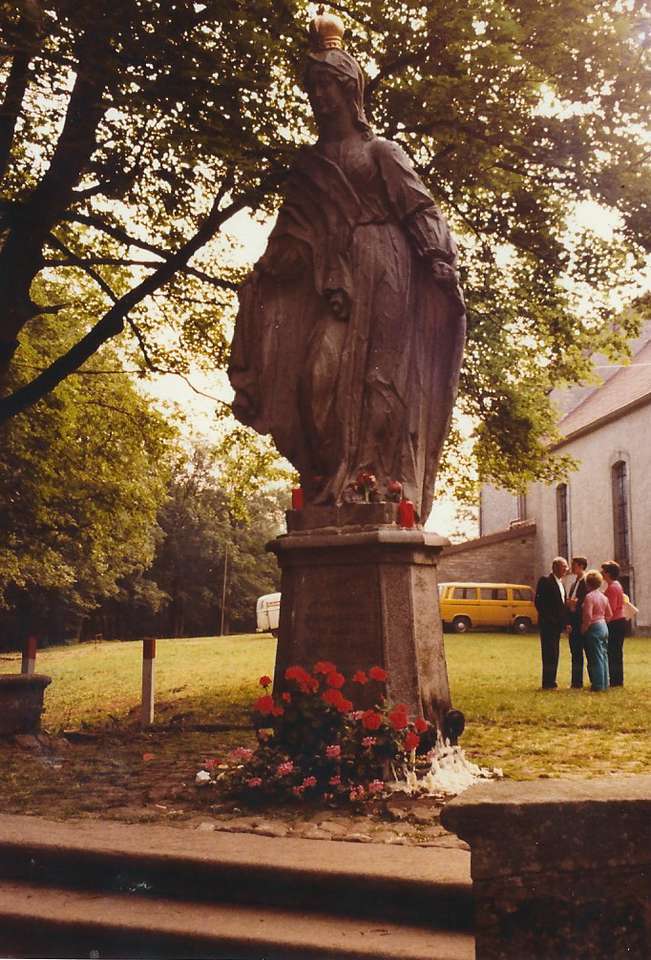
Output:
x=350 y=332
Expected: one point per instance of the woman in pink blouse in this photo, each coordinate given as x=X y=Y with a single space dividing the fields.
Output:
x=596 y=611
x=617 y=623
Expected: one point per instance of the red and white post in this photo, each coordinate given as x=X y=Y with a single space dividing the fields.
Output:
x=148 y=674
x=29 y=655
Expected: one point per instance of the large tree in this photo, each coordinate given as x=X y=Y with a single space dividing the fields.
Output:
x=81 y=483
x=210 y=564
x=132 y=131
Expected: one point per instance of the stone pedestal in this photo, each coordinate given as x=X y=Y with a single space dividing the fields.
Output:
x=360 y=594
x=21 y=702
x=561 y=869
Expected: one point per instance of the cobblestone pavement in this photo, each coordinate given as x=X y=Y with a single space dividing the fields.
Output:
x=116 y=780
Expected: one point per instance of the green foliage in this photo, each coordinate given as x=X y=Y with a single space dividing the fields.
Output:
x=81 y=482
x=519 y=116
x=209 y=539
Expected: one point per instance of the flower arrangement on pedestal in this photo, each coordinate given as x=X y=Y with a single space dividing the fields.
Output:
x=313 y=744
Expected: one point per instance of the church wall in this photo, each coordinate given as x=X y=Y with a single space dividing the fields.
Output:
x=497 y=509
x=590 y=503
x=505 y=557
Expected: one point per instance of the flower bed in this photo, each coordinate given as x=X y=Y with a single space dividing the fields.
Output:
x=312 y=743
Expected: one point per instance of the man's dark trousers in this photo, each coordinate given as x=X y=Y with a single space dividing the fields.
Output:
x=576 y=649
x=552 y=617
x=550 y=635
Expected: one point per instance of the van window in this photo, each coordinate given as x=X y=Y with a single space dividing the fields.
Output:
x=464 y=593
x=522 y=593
x=492 y=593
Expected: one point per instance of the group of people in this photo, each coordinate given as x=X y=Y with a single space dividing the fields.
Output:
x=594 y=618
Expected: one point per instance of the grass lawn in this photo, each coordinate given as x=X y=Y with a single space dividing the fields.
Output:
x=510 y=723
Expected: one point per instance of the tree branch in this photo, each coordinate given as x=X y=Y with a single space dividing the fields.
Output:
x=121 y=235
x=30 y=26
x=112 y=323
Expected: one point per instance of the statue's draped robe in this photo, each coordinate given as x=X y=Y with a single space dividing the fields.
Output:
x=373 y=392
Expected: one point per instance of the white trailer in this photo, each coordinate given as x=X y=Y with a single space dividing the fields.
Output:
x=267 y=613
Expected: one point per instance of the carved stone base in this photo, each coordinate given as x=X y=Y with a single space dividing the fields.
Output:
x=21 y=702
x=362 y=597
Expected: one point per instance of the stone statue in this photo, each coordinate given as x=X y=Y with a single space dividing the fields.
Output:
x=350 y=331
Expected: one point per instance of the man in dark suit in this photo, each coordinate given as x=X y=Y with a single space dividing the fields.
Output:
x=575 y=598
x=552 y=617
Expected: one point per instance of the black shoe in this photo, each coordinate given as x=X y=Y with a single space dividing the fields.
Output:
x=550 y=686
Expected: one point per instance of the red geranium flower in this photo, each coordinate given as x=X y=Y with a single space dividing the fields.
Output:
x=335 y=679
x=377 y=673
x=344 y=706
x=332 y=697
x=277 y=711
x=265 y=681
x=264 y=705
x=324 y=666
x=287 y=697
x=298 y=674
x=411 y=740
x=360 y=677
x=421 y=724
x=371 y=720
x=398 y=717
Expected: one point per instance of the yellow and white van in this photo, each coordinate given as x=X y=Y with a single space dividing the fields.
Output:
x=466 y=605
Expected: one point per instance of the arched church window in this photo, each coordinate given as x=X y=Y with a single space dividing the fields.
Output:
x=562 y=520
x=621 y=510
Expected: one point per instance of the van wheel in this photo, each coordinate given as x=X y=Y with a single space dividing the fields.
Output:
x=461 y=624
x=521 y=625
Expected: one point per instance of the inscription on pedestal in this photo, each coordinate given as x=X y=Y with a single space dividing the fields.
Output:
x=338 y=616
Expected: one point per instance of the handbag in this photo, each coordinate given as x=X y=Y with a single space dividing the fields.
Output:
x=629 y=609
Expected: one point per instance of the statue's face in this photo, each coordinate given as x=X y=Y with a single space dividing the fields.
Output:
x=327 y=95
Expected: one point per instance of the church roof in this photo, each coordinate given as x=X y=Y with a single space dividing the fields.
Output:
x=629 y=386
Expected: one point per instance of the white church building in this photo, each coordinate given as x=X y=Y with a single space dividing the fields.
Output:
x=603 y=510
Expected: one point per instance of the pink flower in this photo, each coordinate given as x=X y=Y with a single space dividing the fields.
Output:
x=298 y=791
x=265 y=681
x=376 y=786
x=254 y=782
x=324 y=666
x=241 y=753
x=283 y=769
x=369 y=742
x=356 y=793
x=309 y=782
x=210 y=764
x=358 y=714
x=333 y=751
x=334 y=781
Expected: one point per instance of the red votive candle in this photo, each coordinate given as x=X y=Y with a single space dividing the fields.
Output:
x=406 y=516
x=298 y=499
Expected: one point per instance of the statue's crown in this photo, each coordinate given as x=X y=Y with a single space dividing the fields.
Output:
x=326 y=31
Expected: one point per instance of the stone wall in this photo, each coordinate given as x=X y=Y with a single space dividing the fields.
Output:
x=504 y=557
x=561 y=868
